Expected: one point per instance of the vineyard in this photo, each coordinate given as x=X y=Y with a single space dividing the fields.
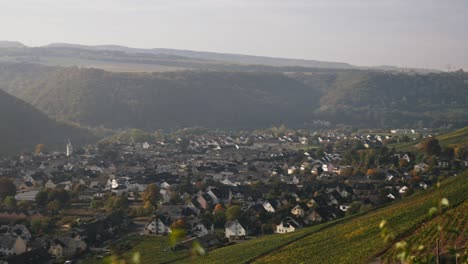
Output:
x=452 y=236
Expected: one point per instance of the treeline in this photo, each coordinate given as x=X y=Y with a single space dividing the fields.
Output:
x=250 y=100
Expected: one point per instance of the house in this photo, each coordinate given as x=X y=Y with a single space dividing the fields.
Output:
x=313 y=216
x=234 y=230
x=200 y=228
x=297 y=211
x=420 y=167
x=268 y=207
x=406 y=157
x=16 y=230
x=160 y=225
x=12 y=245
x=443 y=163
x=66 y=246
x=403 y=189
x=27 y=196
x=287 y=225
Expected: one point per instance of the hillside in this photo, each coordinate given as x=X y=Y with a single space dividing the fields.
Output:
x=220 y=99
x=23 y=127
x=455 y=138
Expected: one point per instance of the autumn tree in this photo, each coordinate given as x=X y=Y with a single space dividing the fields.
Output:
x=151 y=195
x=430 y=146
x=39 y=149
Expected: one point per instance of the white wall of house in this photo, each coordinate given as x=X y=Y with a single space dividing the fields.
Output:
x=234 y=229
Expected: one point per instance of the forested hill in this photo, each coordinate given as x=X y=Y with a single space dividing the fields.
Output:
x=239 y=99
x=23 y=127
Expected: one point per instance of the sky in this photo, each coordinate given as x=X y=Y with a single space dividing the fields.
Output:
x=405 y=33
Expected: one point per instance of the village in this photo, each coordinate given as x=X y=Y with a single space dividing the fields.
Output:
x=215 y=188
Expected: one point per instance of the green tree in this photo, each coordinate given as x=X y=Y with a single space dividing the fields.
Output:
x=117 y=203
x=9 y=202
x=219 y=219
x=7 y=188
x=430 y=146
x=233 y=213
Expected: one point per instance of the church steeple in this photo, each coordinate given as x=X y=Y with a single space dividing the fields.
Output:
x=69 y=148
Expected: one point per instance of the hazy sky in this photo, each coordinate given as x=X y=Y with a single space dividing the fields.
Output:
x=413 y=33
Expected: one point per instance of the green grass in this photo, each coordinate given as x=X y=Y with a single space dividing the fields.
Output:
x=453 y=233
x=353 y=240
x=457 y=138
x=152 y=249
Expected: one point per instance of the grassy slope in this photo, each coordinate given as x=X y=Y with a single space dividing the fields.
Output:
x=355 y=240
x=152 y=249
x=454 y=232
x=456 y=138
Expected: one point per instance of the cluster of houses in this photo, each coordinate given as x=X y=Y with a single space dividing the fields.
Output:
x=277 y=181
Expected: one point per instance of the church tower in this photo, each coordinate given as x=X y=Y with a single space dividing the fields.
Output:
x=69 y=149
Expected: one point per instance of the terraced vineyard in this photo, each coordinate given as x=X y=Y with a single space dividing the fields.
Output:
x=354 y=240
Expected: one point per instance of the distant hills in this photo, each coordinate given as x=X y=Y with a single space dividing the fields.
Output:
x=23 y=127
x=213 y=56
x=126 y=59
x=243 y=100
x=11 y=44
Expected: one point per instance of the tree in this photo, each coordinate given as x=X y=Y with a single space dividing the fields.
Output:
x=39 y=149
x=116 y=203
x=41 y=198
x=219 y=219
x=151 y=195
x=178 y=224
x=233 y=213
x=9 y=202
x=7 y=188
x=430 y=146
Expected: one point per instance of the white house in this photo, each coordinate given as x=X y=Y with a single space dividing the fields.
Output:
x=268 y=207
x=287 y=225
x=158 y=226
x=234 y=230
x=200 y=229
x=403 y=189
x=26 y=196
